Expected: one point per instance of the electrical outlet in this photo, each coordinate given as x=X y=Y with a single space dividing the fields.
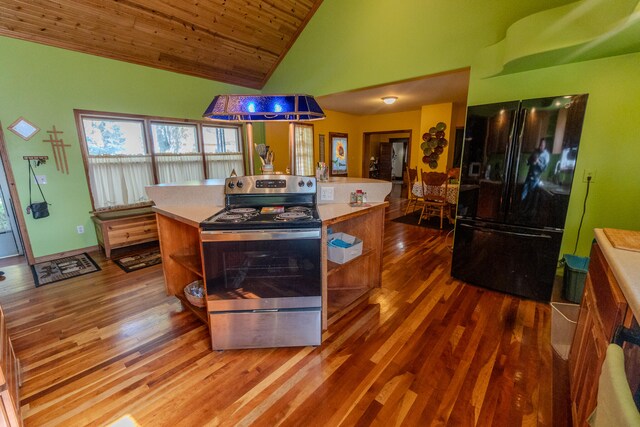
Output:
x=589 y=173
x=80 y=229
x=326 y=193
x=41 y=179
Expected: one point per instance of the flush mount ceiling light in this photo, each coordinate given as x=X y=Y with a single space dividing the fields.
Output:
x=389 y=99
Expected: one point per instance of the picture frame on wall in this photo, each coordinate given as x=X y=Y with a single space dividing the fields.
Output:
x=339 y=142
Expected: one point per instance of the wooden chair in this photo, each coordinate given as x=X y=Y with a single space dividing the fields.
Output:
x=435 y=201
x=411 y=179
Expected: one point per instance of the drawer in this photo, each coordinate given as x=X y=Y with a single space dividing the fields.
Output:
x=132 y=232
x=260 y=329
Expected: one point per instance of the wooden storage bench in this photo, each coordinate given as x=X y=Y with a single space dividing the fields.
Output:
x=120 y=229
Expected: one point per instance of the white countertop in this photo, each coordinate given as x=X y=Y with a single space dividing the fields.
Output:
x=189 y=214
x=194 y=201
x=626 y=268
x=336 y=210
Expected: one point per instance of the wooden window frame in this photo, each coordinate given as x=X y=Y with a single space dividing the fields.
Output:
x=79 y=115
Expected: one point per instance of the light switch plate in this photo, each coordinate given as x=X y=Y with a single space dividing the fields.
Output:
x=326 y=193
x=42 y=179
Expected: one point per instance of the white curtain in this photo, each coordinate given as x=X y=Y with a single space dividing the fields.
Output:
x=304 y=150
x=221 y=165
x=179 y=167
x=117 y=181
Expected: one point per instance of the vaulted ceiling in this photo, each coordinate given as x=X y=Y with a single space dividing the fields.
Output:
x=233 y=41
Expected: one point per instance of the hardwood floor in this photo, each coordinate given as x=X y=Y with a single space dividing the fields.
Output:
x=426 y=350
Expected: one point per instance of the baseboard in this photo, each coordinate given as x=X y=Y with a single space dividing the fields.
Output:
x=64 y=254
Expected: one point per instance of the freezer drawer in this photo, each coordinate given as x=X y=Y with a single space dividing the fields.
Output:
x=265 y=328
x=508 y=259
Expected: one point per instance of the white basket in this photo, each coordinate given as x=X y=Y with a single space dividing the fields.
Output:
x=564 y=318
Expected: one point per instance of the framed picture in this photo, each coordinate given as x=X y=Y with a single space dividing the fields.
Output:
x=338 y=154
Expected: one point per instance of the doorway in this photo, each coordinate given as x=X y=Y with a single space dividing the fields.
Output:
x=11 y=221
x=10 y=240
x=382 y=151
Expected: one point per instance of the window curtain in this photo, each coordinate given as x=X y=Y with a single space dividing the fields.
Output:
x=221 y=165
x=304 y=149
x=119 y=180
x=179 y=167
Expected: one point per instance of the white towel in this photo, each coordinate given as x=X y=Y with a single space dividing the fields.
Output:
x=616 y=407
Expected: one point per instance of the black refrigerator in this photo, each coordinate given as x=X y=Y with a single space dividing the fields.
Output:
x=518 y=164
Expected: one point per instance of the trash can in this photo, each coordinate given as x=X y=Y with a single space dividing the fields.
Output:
x=575 y=273
x=564 y=318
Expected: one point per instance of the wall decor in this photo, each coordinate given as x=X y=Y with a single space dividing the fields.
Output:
x=433 y=143
x=59 y=153
x=338 y=153
x=24 y=128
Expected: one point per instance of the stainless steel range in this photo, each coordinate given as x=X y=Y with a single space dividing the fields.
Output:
x=262 y=262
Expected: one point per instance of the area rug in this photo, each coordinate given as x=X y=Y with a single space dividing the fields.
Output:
x=433 y=222
x=138 y=260
x=45 y=273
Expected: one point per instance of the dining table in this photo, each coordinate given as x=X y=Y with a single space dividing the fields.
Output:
x=451 y=191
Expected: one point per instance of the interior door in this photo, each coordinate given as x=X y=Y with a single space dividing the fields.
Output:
x=384 y=162
x=10 y=243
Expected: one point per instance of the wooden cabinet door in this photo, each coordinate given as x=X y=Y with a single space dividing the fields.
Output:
x=586 y=357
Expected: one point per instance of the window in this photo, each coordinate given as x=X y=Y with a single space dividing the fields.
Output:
x=303 y=135
x=121 y=157
x=176 y=151
x=222 y=150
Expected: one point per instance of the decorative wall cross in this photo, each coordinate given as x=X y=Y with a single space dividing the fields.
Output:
x=57 y=146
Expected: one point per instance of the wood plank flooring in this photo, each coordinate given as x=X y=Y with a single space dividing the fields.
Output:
x=426 y=350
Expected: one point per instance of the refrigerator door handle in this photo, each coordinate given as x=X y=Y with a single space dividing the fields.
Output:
x=514 y=160
x=511 y=233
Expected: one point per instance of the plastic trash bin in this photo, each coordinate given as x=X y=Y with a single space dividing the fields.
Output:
x=575 y=273
x=564 y=318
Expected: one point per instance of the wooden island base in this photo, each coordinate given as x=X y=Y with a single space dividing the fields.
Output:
x=344 y=286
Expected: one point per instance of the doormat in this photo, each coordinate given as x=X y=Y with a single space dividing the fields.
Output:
x=433 y=222
x=136 y=261
x=45 y=273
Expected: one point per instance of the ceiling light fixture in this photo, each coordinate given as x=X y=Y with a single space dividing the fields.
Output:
x=389 y=99
x=265 y=108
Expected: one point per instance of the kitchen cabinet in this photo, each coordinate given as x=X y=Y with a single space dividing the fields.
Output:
x=603 y=308
x=347 y=285
x=9 y=379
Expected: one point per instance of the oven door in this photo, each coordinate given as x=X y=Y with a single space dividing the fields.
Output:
x=262 y=269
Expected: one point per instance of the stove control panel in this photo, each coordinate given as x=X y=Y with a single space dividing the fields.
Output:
x=270 y=184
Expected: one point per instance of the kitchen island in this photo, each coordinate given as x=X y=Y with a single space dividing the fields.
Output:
x=181 y=207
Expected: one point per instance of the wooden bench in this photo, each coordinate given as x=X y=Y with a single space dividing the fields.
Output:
x=125 y=228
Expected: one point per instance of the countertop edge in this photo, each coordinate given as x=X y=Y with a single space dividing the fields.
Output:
x=625 y=266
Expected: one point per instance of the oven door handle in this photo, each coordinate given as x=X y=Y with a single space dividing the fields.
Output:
x=249 y=235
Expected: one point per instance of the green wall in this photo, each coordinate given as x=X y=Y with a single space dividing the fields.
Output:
x=359 y=43
x=356 y=44
x=44 y=85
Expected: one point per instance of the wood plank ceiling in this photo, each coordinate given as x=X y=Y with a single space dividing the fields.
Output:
x=233 y=41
